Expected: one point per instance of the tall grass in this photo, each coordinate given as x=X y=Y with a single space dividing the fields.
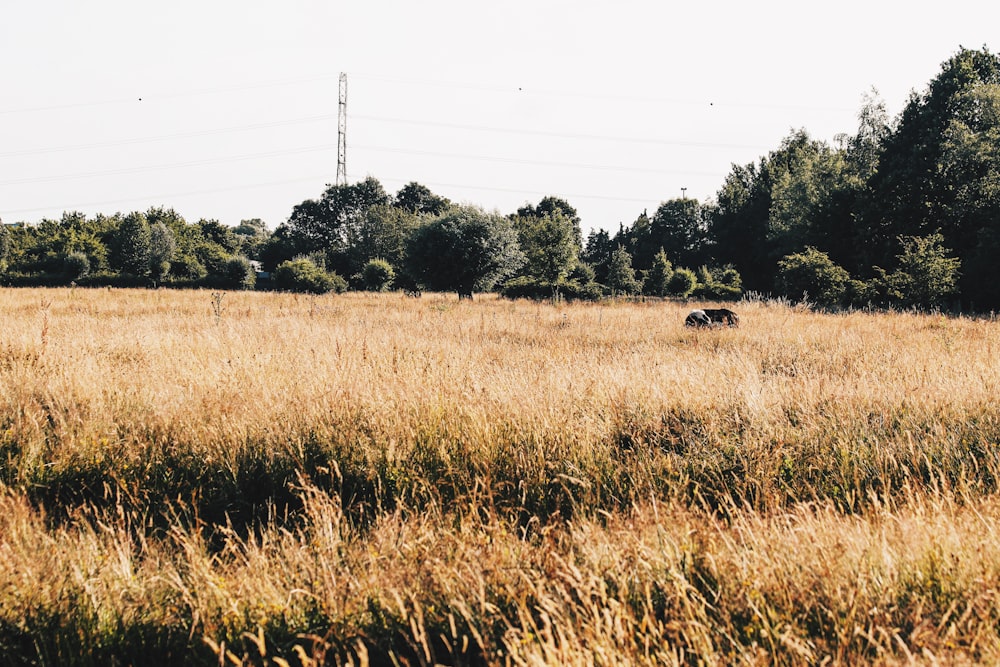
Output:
x=369 y=478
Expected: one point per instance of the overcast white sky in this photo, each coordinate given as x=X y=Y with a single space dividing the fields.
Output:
x=227 y=109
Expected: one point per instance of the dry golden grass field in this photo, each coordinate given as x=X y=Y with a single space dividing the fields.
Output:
x=271 y=479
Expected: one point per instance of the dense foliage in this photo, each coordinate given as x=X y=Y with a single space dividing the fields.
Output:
x=902 y=212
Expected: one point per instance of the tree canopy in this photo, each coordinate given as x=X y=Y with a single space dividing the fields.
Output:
x=465 y=250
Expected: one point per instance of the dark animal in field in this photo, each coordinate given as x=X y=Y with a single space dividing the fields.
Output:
x=697 y=318
x=722 y=316
x=708 y=317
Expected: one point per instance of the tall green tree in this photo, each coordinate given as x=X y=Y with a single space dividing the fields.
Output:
x=550 y=245
x=658 y=277
x=281 y=246
x=970 y=161
x=916 y=189
x=215 y=232
x=803 y=187
x=680 y=228
x=324 y=224
x=134 y=245
x=555 y=206
x=796 y=196
x=740 y=222
x=162 y=247
x=863 y=149
x=418 y=199
x=4 y=246
x=597 y=253
x=466 y=250
x=621 y=274
x=251 y=235
x=379 y=233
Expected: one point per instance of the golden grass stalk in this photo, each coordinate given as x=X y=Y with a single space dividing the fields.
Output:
x=358 y=477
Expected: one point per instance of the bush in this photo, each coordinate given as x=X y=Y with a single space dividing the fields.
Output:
x=575 y=291
x=858 y=293
x=76 y=265
x=723 y=284
x=657 y=279
x=302 y=275
x=188 y=266
x=621 y=275
x=528 y=287
x=239 y=273
x=682 y=282
x=926 y=276
x=812 y=274
x=582 y=274
x=377 y=275
x=718 y=292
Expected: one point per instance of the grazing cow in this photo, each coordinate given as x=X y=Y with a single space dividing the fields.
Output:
x=722 y=316
x=697 y=318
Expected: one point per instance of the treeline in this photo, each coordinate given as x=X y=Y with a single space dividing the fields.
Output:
x=157 y=247
x=904 y=212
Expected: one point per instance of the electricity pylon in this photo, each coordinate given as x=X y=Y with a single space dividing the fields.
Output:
x=342 y=132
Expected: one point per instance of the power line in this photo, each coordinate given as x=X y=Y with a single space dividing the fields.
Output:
x=461 y=85
x=542 y=163
x=323 y=147
x=547 y=133
x=189 y=193
x=169 y=137
x=176 y=165
x=341 y=147
x=492 y=188
x=325 y=117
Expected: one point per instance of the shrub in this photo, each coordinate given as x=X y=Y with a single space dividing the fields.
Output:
x=682 y=282
x=302 y=275
x=926 y=276
x=858 y=293
x=76 y=265
x=239 y=273
x=377 y=275
x=583 y=273
x=812 y=274
x=577 y=291
x=188 y=266
x=528 y=287
x=657 y=279
x=721 y=284
x=621 y=275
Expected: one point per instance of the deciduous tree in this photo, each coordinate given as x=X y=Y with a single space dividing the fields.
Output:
x=134 y=245
x=418 y=199
x=324 y=224
x=465 y=250
x=621 y=275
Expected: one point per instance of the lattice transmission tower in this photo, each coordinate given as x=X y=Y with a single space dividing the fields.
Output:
x=342 y=132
